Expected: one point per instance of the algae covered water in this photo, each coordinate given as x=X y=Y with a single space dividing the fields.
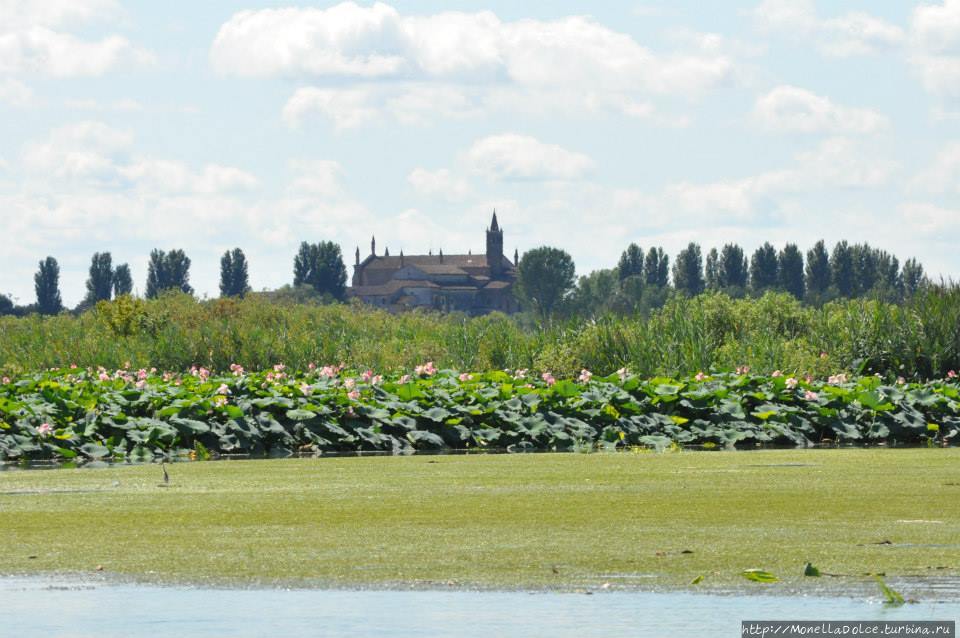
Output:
x=49 y=606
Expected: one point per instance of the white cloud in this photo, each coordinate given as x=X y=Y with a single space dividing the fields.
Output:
x=930 y=219
x=347 y=108
x=792 y=109
x=520 y=157
x=31 y=42
x=317 y=177
x=850 y=34
x=377 y=41
x=935 y=47
x=15 y=93
x=440 y=183
x=943 y=174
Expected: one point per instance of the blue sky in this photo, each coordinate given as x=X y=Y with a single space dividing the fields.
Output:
x=132 y=125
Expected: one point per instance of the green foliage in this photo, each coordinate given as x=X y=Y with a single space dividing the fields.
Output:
x=122 y=281
x=96 y=413
x=711 y=270
x=47 y=285
x=6 y=305
x=100 y=281
x=764 y=269
x=817 y=272
x=321 y=266
x=688 y=270
x=842 y=272
x=631 y=262
x=732 y=268
x=656 y=268
x=168 y=271
x=234 y=276
x=759 y=576
x=545 y=277
x=790 y=271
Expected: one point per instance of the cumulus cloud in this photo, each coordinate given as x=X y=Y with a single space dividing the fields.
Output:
x=935 y=47
x=850 y=34
x=930 y=219
x=792 y=109
x=440 y=183
x=317 y=177
x=31 y=40
x=510 y=156
x=15 y=93
x=943 y=174
x=377 y=41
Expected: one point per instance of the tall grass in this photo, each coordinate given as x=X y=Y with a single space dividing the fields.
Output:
x=918 y=339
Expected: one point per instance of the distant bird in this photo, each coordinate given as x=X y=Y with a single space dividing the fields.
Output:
x=166 y=477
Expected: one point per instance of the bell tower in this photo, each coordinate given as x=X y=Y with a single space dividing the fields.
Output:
x=495 y=248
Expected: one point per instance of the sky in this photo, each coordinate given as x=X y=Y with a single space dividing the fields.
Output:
x=127 y=126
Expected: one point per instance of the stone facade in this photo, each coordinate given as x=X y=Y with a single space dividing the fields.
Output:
x=474 y=284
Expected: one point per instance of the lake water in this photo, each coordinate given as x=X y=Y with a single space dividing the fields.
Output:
x=57 y=606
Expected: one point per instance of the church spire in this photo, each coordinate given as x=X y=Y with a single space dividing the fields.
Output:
x=373 y=245
x=516 y=257
x=358 y=255
x=386 y=251
x=493 y=224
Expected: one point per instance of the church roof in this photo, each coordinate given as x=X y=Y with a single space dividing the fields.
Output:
x=380 y=262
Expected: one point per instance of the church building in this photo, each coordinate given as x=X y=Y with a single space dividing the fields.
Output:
x=474 y=284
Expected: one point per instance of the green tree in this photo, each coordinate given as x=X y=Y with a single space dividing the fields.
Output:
x=304 y=264
x=330 y=274
x=711 y=270
x=656 y=268
x=631 y=262
x=842 y=274
x=234 y=275
x=688 y=270
x=764 y=269
x=47 y=285
x=167 y=271
x=913 y=277
x=597 y=292
x=100 y=281
x=790 y=270
x=6 y=305
x=865 y=268
x=544 y=279
x=817 y=273
x=732 y=269
x=122 y=281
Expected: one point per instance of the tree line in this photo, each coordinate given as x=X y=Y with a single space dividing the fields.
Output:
x=642 y=280
x=318 y=271
x=546 y=277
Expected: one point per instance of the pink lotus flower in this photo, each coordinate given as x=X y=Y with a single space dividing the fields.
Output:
x=349 y=383
x=585 y=376
x=427 y=369
x=367 y=375
x=220 y=401
x=167 y=376
x=236 y=369
x=810 y=395
x=791 y=383
x=548 y=378
x=45 y=429
x=837 y=379
x=465 y=376
x=6 y=380
x=141 y=384
x=223 y=389
x=73 y=366
x=700 y=376
x=305 y=388
x=520 y=373
x=353 y=395
x=622 y=373
x=312 y=366
x=405 y=378
x=377 y=379
x=776 y=373
x=141 y=374
x=279 y=367
x=743 y=369
x=329 y=372
x=103 y=376
x=901 y=381
x=952 y=374
x=824 y=355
